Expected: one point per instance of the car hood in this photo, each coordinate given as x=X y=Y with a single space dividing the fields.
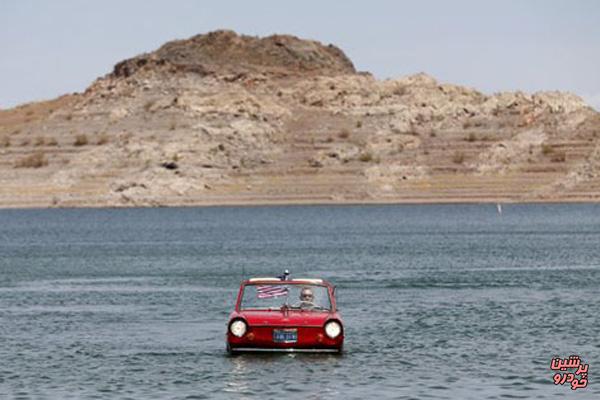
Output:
x=286 y=318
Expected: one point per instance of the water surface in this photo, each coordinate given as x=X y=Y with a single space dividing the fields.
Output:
x=439 y=302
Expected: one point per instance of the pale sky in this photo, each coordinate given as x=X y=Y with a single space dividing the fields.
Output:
x=49 y=48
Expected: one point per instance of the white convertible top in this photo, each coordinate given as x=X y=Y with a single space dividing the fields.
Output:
x=263 y=279
x=308 y=280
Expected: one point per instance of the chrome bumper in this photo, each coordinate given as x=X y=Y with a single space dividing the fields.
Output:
x=281 y=350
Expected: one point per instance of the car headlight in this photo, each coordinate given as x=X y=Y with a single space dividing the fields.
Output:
x=333 y=329
x=238 y=328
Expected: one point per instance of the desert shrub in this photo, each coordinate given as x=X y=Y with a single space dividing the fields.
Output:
x=366 y=157
x=102 y=139
x=35 y=160
x=69 y=117
x=344 y=134
x=458 y=157
x=471 y=137
x=80 y=140
x=400 y=91
x=4 y=141
x=40 y=141
x=148 y=105
x=547 y=149
x=359 y=124
x=51 y=142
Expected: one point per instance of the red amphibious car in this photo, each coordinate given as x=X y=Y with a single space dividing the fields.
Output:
x=285 y=315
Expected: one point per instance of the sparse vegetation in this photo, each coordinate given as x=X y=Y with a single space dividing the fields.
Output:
x=359 y=124
x=35 y=160
x=51 y=142
x=547 y=149
x=173 y=126
x=366 y=157
x=170 y=165
x=4 y=141
x=458 y=157
x=400 y=91
x=80 y=140
x=471 y=138
x=69 y=117
x=148 y=105
x=344 y=134
x=40 y=141
x=102 y=139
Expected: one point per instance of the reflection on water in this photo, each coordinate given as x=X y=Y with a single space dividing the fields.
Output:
x=439 y=302
x=236 y=379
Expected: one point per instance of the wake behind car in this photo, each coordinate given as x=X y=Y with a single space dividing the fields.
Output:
x=285 y=315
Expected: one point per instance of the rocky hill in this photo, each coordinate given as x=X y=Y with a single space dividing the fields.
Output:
x=228 y=119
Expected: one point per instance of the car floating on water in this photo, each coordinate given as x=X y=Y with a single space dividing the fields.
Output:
x=285 y=315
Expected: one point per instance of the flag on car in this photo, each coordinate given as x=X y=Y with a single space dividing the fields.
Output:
x=270 y=291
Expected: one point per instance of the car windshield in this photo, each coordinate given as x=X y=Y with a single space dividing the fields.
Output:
x=272 y=296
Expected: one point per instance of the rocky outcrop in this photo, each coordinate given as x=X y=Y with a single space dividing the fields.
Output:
x=225 y=52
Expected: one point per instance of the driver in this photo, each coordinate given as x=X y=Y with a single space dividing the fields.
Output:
x=307 y=298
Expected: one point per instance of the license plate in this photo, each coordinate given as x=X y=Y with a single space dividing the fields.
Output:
x=285 y=335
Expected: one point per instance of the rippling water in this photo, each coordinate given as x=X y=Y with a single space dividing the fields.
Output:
x=439 y=301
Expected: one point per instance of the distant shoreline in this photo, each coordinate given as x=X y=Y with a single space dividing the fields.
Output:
x=291 y=203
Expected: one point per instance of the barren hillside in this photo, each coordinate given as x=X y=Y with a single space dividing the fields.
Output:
x=228 y=119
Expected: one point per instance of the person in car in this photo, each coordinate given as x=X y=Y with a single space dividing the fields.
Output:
x=307 y=298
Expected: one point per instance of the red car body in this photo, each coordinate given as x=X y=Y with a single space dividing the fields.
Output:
x=306 y=327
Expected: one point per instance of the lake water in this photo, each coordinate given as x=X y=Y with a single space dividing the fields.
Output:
x=439 y=302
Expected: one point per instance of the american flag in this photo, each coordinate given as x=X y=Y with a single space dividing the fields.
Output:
x=270 y=291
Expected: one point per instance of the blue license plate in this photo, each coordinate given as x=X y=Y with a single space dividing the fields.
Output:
x=285 y=335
